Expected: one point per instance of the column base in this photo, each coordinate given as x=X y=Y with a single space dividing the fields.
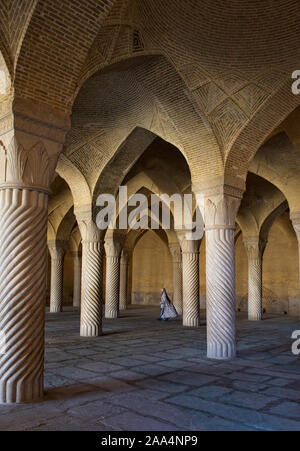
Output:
x=221 y=351
x=190 y=322
x=14 y=392
x=256 y=317
x=55 y=309
x=90 y=331
x=111 y=314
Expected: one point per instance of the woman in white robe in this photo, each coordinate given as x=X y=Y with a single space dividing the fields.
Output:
x=167 y=309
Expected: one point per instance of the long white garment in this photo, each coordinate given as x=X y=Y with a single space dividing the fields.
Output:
x=169 y=310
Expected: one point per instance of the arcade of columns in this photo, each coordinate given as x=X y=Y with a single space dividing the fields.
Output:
x=89 y=108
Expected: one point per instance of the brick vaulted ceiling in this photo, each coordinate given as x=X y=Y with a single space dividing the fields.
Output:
x=211 y=77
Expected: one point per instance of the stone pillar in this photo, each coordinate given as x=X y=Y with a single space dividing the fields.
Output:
x=31 y=138
x=177 y=276
x=219 y=213
x=23 y=252
x=91 y=280
x=77 y=260
x=190 y=280
x=113 y=246
x=57 y=251
x=124 y=263
x=255 y=248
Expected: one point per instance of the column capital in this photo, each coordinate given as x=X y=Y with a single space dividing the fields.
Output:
x=255 y=247
x=88 y=228
x=188 y=245
x=219 y=210
x=25 y=168
x=175 y=251
x=57 y=248
x=32 y=136
x=113 y=244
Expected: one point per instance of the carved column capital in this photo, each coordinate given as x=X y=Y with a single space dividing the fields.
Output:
x=219 y=211
x=57 y=249
x=188 y=245
x=113 y=244
x=175 y=251
x=88 y=228
x=255 y=247
x=25 y=168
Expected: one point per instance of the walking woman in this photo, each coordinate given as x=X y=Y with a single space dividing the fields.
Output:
x=167 y=309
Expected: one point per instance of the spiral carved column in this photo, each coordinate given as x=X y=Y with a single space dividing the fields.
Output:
x=113 y=248
x=190 y=281
x=124 y=262
x=177 y=277
x=23 y=228
x=255 y=249
x=57 y=251
x=219 y=216
x=91 y=280
x=77 y=279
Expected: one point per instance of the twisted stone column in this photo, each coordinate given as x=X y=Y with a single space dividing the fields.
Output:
x=57 y=251
x=190 y=280
x=255 y=248
x=91 y=281
x=25 y=175
x=77 y=278
x=219 y=213
x=124 y=263
x=113 y=246
x=23 y=228
x=24 y=179
x=177 y=277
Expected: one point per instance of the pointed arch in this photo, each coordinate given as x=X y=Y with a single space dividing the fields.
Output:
x=256 y=130
x=78 y=185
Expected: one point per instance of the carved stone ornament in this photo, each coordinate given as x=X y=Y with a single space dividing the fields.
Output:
x=25 y=168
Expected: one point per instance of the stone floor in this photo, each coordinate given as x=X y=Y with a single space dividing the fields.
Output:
x=154 y=376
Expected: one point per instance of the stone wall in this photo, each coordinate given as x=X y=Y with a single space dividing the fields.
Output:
x=151 y=270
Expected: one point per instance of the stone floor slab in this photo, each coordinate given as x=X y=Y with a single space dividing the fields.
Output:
x=143 y=375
